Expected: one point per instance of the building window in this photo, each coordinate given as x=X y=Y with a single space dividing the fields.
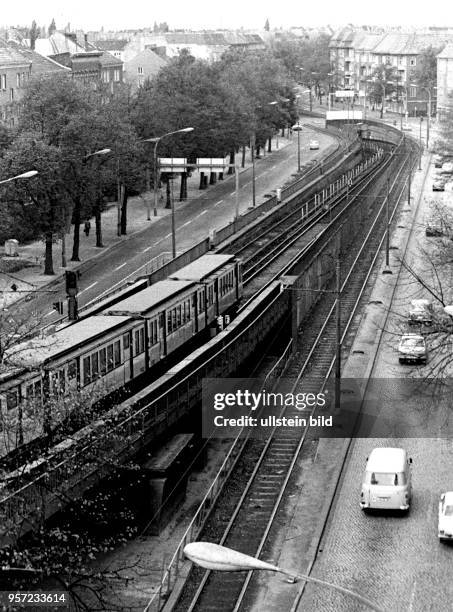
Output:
x=140 y=70
x=3 y=81
x=18 y=79
x=413 y=61
x=105 y=76
x=117 y=75
x=412 y=91
x=11 y=94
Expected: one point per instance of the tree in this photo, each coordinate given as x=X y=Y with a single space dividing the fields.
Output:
x=266 y=25
x=384 y=83
x=444 y=142
x=52 y=28
x=426 y=72
x=41 y=200
x=33 y=34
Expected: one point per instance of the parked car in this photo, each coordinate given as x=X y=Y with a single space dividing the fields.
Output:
x=412 y=349
x=439 y=183
x=387 y=480
x=438 y=161
x=445 y=527
x=420 y=312
x=314 y=145
x=447 y=168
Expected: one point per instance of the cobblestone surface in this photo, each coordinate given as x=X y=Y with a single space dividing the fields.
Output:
x=396 y=561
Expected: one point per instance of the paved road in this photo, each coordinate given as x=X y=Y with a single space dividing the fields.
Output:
x=214 y=209
x=396 y=561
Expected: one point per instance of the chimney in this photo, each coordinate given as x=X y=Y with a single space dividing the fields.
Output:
x=86 y=41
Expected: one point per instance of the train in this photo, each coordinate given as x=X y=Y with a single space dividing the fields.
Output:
x=124 y=341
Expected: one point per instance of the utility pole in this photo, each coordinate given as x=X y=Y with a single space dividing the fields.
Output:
x=252 y=147
x=387 y=231
x=338 y=334
x=236 y=178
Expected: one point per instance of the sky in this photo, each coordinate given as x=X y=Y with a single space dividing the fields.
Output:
x=232 y=14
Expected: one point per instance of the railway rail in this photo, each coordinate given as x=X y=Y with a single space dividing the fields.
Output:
x=248 y=516
x=308 y=245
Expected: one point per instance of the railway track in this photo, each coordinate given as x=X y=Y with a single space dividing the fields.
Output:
x=246 y=514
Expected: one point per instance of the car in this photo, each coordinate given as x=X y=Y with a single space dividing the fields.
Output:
x=314 y=145
x=420 y=312
x=445 y=526
x=412 y=349
x=387 y=482
x=447 y=168
x=439 y=183
x=438 y=161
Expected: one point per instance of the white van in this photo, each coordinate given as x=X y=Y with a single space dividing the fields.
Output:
x=387 y=480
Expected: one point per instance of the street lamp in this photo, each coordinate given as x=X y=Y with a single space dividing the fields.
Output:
x=156 y=181
x=156 y=141
x=298 y=129
x=421 y=145
x=24 y=175
x=215 y=557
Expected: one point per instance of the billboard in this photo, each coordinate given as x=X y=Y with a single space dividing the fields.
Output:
x=212 y=163
x=173 y=164
x=344 y=115
x=344 y=93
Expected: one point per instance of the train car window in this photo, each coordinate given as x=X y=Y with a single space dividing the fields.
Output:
x=72 y=369
x=117 y=353
x=12 y=399
x=94 y=365
x=178 y=316
x=110 y=364
x=34 y=389
x=169 y=322
x=61 y=381
x=210 y=295
x=126 y=341
x=103 y=361
x=173 y=319
x=139 y=341
x=86 y=370
x=200 y=301
x=153 y=331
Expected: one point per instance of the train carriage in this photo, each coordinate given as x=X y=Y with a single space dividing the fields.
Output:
x=110 y=349
x=220 y=284
x=166 y=312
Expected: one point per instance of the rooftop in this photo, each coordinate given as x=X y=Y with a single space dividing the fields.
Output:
x=202 y=267
x=151 y=297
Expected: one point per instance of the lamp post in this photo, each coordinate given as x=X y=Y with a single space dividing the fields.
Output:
x=428 y=114
x=421 y=145
x=220 y=558
x=298 y=129
x=24 y=175
x=156 y=141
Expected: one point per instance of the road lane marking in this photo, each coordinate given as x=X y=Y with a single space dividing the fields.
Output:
x=49 y=313
x=89 y=287
x=148 y=248
x=220 y=201
x=187 y=223
x=121 y=266
x=202 y=213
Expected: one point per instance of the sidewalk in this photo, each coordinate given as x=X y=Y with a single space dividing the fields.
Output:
x=19 y=276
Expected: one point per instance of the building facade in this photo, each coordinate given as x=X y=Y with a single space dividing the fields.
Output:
x=445 y=82
x=355 y=54
x=17 y=66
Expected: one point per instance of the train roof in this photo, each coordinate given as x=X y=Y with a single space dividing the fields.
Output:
x=202 y=267
x=38 y=350
x=144 y=301
x=99 y=305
